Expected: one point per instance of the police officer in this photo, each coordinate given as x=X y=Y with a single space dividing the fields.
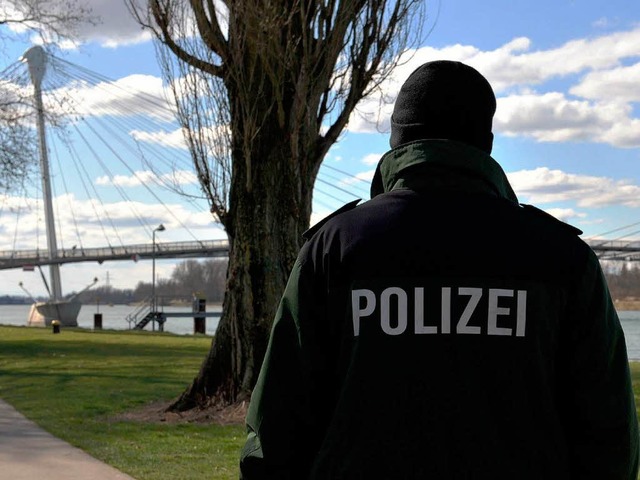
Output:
x=442 y=330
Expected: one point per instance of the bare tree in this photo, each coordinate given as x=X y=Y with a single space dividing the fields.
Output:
x=17 y=138
x=52 y=21
x=263 y=89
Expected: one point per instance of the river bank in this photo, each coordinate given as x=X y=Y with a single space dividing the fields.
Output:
x=627 y=304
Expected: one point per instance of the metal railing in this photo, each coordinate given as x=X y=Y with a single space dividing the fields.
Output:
x=139 y=313
x=204 y=248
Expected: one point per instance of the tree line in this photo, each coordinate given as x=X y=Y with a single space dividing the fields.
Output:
x=624 y=282
x=205 y=278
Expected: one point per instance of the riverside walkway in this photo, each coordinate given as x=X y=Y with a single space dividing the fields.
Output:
x=27 y=452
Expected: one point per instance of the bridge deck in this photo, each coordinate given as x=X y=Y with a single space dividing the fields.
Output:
x=606 y=250
x=26 y=258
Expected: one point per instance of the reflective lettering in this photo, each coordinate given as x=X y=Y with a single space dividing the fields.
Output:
x=420 y=327
x=369 y=307
x=445 y=316
x=495 y=311
x=521 y=315
x=491 y=312
x=385 y=314
x=462 y=326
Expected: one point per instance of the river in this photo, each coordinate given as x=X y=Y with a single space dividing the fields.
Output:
x=114 y=318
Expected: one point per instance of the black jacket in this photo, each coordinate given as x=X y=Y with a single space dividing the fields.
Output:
x=443 y=331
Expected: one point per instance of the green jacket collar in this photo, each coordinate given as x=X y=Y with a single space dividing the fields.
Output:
x=441 y=165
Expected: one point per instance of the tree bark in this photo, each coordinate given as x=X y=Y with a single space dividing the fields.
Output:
x=270 y=214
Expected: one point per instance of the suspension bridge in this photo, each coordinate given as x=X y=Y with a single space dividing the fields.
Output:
x=118 y=166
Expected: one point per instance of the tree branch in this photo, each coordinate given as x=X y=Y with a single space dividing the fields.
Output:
x=210 y=28
x=162 y=18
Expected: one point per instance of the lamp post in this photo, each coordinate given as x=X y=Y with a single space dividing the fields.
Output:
x=159 y=228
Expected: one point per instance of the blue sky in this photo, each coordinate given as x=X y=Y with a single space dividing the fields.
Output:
x=566 y=74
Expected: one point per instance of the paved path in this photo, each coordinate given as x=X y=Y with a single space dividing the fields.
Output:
x=29 y=453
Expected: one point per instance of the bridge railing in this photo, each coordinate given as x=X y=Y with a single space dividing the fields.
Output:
x=20 y=258
x=606 y=249
x=617 y=245
x=616 y=250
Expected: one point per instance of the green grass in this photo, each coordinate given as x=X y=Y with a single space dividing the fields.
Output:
x=75 y=383
x=635 y=380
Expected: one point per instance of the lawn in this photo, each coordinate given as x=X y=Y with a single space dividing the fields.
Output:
x=76 y=383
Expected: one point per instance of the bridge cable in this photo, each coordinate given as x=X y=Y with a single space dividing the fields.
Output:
x=69 y=202
x=56 y=206
x=15 y=232
x=613 y=231
x=122 y=193
x=71 y=151
x=84 y=179
x=144 y=184
x=155 y=179
x=125 y=113
x=357 y=190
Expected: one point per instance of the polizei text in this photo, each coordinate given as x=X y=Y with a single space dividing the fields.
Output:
x=463 y=310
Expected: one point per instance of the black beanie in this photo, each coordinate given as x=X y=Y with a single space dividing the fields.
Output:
x=444 y=100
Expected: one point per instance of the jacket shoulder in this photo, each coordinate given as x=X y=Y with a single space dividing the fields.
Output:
x=545 y=217
x=345 y=208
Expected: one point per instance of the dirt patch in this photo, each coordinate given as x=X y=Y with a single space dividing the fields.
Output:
x=156 y=413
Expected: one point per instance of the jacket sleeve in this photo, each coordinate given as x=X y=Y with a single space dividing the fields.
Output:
x=284 y=422
x=595 y=390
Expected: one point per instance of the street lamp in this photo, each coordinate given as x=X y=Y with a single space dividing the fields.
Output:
x=159 y=228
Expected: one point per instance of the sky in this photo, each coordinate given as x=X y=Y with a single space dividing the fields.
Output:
x=567 y=129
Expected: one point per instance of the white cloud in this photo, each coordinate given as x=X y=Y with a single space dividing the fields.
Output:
x=128 y=96
x=137 y=179
x=565 y=214
x=147 y=177
x=617 y=84
x=174 y=139
x=115 y=27
x=513 y=64
x=111 y=24
x=367 y=176
x=318 y=215
x=543 y=185
x=552 y=117
x=504 y=69
x=595 y=108
x=372 y=158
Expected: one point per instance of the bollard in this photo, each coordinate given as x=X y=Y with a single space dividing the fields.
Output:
x=97 y=321
x=199 y=325
x=199 y=322
x=55 y=324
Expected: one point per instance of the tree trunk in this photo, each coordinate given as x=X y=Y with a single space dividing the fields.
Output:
x=269 y=214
